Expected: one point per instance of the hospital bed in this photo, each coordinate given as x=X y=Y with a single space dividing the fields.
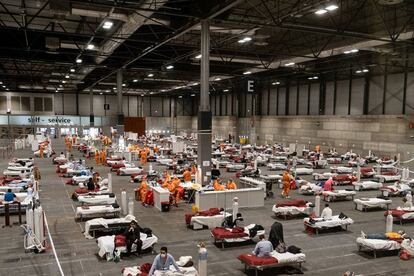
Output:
x=375 y=245
x=362 y=204
x=302 y=171
x=275 y=260
x=206 y=220
x=181 y=262
x=319 y=224
x=323 y=176
x=221 y=163
x=292 y=208
x=367 y=172
x=334 y=160
x=129 y=170
x=103 y=199
x=13 y=208
x=234 y=167
x=96 y=211
x=344 y=179
x=338 y=195
x=395 y=190
x=108 y=244
x=107 y=226
x=366 y=185
x=165 y=161
x=228 y=235
x=276 y=167
x=59 y=160
x=355 y=163
x=387 y=178
x=270 y=178
x=310 y=189
x=341 y=170
x=401 y=214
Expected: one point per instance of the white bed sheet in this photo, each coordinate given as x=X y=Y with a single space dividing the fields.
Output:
x=288 y=257
x=96 y=199
x=367 y=185
x=291 y=210
x=337 y=193
x=373 y=202
x=99 y=209
x=210 y=221
x=378 y=244
x=335 y=221
x=105 y=222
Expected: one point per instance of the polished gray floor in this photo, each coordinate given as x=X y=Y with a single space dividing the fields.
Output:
x=327 y=254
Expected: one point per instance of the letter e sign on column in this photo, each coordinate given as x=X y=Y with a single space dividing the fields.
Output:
x=250 y=86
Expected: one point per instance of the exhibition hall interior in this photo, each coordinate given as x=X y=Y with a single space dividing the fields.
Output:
x=206 y=138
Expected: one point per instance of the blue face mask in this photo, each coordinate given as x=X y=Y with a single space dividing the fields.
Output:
x=164 y=255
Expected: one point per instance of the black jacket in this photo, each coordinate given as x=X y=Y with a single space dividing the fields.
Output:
x=133 y=235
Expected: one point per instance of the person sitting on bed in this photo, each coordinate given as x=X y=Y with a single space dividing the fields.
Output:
x=326 y=212
x=406 y=203
x=90 y=185
x=133 y=236
x=263 y=247
x=9 y=196
x=162 y=262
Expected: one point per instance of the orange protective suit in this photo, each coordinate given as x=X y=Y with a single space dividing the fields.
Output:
x=217 y=186
x=143 y=157
x=231 y=185
x=286 y=184
x=143 y=189
x=175 y=190
x=187 y=176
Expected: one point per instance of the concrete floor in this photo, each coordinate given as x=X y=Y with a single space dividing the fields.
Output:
x=326 y=254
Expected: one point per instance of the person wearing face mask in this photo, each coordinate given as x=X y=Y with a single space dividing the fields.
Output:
x=162 y=263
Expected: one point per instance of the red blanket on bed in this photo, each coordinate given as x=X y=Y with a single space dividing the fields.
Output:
x=209 y=213
x=397 y=213
x=293 y=202
x=223 y=233
x=255 y=261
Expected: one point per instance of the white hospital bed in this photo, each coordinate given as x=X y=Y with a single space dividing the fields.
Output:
x=235 y=167
x=302 y=171
x=333 y=222
x=341 y=169
x=88 y=212
x=375 y=245
x=362 y=204
x=323 y=176
x=367 y=185
x=276 y=166
x=310 y=189
x=187 y=271
x=130 y=170
x=106 y=225
x=198 y=222
x=97 y=199
x=337 y=195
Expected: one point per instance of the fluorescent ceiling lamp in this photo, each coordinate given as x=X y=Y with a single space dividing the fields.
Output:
x=151 y=93
x=180 y=97
x=241 y=41
x=247 y=38
x=217 y=79
x=354 y=51
x=247 y=73
x=163 y=90
x=225 y=90
x=358 y=71
x=100 y=93
x=290 y=64
x=3 y=86
x=72 y=70
x=194 y=84
x=90 y=47
x=63 y=81
x=67 y=76
x=107 y=25
x=142 y=95
x=150 y=75
x=315 y=77
x=331 y=7
x=135 y=80
x=365 y=70
x=192 y=95
x=275 y=83
x=198 y=56
x=78 y=60
x=7 y=89
x=169 y=67
x=321 y=11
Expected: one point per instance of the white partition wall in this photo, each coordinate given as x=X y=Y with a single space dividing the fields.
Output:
x=252 y=197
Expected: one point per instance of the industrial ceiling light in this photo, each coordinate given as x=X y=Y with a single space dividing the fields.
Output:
x=63 y=81
x=225 y=90
x=100 y=93
x=198 y=56
x=67 y=76
x=107 y=25
x=78 y=60
x=217 y=79
x=331 y=7
x=275 y=83
x=90 y=47
x=72 y=70
x=358 y=71
x=247 y=73
x=163 y=90
x=192 y=95
x=290 y=64
x=321 y=11
x=123 y=85
x=194 y=84
x=151 y=93
x=351 y=51
x=1 y=82
x=7 y=89
x=365 y=70
x=135 y=80
x=169 y=67
x=180 y=97
x=244 y=40
x=150 y=75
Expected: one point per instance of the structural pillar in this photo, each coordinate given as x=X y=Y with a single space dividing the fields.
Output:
x=91 y=116
x=173 y=118
x=204 y=112
x=120 y=126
